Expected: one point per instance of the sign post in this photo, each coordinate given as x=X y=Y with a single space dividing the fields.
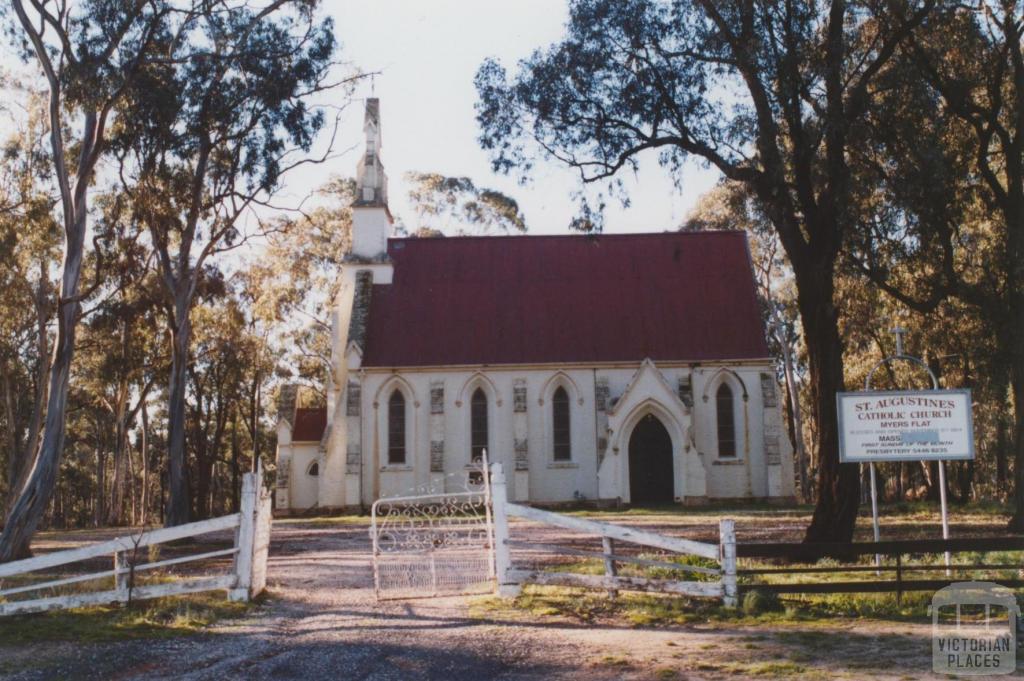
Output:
x=905 y=425
x=874 y=513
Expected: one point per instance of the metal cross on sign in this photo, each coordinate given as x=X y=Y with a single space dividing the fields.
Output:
x=898 y=331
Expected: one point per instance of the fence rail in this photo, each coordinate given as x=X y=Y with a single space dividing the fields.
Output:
x=896 y=549
x=813 y=551
x=245 y=580
x=511 y=579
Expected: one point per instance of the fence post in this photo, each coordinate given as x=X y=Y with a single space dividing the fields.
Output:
x=727 y=553
x=244 y=537
x=502 y=561
x=609 y=563
x=121 y=573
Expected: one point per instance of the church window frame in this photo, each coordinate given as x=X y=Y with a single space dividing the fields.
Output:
x=479 y=424
x=726 y=424
x=313 y=469
x=556 y=453
x=561 y=425
x=397 y=429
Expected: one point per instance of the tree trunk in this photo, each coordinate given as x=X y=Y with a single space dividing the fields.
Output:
x=234 y=462
x=101 y=484
x=965 y=480
x=42 y=368
x=177 y=479
x=255 y=425
x=931 y=477
x=21 y=458
x=838 y=484
x=204 y=471
x=28 y=510
x=13 y=438
x=144 y=445
x=35 y=494
x=120 y=457
x=1014 y=213
x=211 y=454
x=796 y=430
x=130 y=483
x=1016 y=523
x=1002 y=444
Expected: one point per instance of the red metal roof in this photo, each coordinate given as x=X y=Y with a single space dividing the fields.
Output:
x=685 y=296
x=309 y=424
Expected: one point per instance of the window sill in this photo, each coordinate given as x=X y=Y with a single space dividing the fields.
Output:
x=563 y=464
x=395 y=468
x=727 y=462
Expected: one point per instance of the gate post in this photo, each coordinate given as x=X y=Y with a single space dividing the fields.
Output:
x=727 y=555
x=244 y=539
x=502 y=561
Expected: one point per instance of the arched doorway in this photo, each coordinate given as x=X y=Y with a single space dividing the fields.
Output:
x=650 y=463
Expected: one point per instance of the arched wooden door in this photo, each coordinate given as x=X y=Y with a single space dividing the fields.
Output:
x=650 y=463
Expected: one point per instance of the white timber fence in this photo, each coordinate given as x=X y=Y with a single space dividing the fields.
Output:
x=722 y=582
x=246 y=579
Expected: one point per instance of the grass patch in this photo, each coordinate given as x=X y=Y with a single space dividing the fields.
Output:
x=641 y=610
x=776 y=669
x=595 y=566
x=613 y=661
x=655 y=610
x=157 y=618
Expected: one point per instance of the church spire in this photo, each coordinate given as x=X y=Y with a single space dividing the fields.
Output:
x=371 y=219
x=371 y=182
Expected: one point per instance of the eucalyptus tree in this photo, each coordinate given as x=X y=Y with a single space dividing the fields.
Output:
x=730 y=205
x=289 y=291
x=204 y=142
x=946 y=222
x=443 y=202
x=89 y=53
x=770 y=94
x=972 y=57
x=123 y=348
x=30 y=244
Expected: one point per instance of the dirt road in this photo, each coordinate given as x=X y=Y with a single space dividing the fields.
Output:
x=322 y=622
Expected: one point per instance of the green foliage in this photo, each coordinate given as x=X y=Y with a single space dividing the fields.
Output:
x=772 y=96
x=457 y=204
x=757 y=601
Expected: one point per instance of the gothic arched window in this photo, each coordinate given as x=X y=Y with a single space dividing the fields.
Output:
x=314 y=469
x=560 y=420
x=726 y=421
x=477 y=425
x=396 y=428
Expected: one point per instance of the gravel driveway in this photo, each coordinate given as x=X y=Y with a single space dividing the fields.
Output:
x=322 y=622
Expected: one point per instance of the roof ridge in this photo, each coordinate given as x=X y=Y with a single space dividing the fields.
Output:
x=581 y=235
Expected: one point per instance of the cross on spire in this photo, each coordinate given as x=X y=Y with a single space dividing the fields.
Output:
x=898 y=331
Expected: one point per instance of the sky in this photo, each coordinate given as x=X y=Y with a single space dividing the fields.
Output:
x=427 y=52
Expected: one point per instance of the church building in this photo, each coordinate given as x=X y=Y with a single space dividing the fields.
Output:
x=608 y=368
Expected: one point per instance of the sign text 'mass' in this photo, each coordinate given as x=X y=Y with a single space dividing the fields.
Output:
x=905 y=426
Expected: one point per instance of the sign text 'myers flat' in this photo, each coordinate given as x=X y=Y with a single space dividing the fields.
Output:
x=905 y=426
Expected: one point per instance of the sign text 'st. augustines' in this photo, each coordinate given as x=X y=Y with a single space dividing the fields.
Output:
x=896 y=426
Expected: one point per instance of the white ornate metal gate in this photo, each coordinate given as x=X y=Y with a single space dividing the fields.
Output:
x=433 y=544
